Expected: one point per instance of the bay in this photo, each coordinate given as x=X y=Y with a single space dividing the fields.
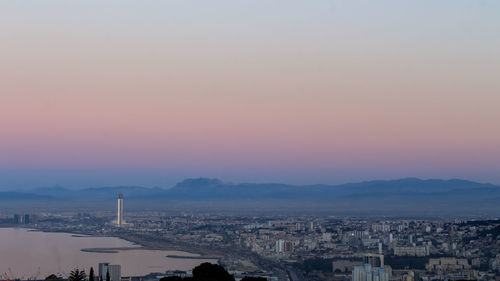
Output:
x=25 y=253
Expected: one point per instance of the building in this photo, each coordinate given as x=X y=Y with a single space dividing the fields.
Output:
x=17 y=219
x=447 y=265
x=103 y=268
x=418 y=251
x=495 y=263
x=114 y=271
x=374 y=259
x=311 y=226
x=280 y=246
x=22 y=219
x=368 y=273
x=344 y=265
x=178 y=273
x=382 y=227
x=299 y=226
x=119 y=217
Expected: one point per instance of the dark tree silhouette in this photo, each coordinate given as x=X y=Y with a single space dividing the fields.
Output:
x=172 y=278
x=52 y=277
x=91 y=274
x=77 y=275
x=248 y=278
x=211 y=272
x=107 y=275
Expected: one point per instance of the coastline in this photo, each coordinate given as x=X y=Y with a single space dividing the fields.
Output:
x=203 y=253
x=193 y=257
x=144 y=244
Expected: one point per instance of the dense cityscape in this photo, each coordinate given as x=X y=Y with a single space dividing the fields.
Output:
x=300 y=248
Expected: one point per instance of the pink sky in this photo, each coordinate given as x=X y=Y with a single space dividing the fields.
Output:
x=300 y=96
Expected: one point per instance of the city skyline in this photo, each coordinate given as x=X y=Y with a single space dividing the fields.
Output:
x=97 y=94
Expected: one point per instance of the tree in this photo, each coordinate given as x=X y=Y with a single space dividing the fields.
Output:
x=107 y=275
x=211 y=272
x=171 y=278
x=91 y=274
x=77 y=275
x=52 y=277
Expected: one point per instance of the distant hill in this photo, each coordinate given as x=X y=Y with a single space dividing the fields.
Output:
x=205 y=188
x=17 y=196
x=432 y=194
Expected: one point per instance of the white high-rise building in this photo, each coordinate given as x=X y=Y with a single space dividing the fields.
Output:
x=280 y=246
x=119 y=218
x=368 y=273
x=114 y=271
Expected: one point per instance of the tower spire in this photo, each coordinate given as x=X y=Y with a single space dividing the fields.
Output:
x=119 y=218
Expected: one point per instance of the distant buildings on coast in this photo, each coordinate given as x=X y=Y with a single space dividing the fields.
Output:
x=20 y=219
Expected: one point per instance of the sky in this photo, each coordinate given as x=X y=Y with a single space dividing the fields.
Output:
x=97 y=93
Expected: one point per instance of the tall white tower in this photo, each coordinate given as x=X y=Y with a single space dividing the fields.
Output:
x=119 y=218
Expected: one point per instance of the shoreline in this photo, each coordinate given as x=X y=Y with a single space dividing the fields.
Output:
x=142 y=244
x=169 y=246
x=192 y=257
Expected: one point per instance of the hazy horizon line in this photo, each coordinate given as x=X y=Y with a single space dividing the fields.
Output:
x=244 y=182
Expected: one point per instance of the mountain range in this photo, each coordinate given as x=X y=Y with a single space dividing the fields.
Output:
x=408 y=196
x=215 y=189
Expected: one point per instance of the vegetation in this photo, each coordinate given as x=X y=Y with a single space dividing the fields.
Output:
x=404 y=262
x=315 y=264
x=173 y=278
x=91 y=274
x=52 y=277
x=210 y=272
x=77 y=275
x=203 y=272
